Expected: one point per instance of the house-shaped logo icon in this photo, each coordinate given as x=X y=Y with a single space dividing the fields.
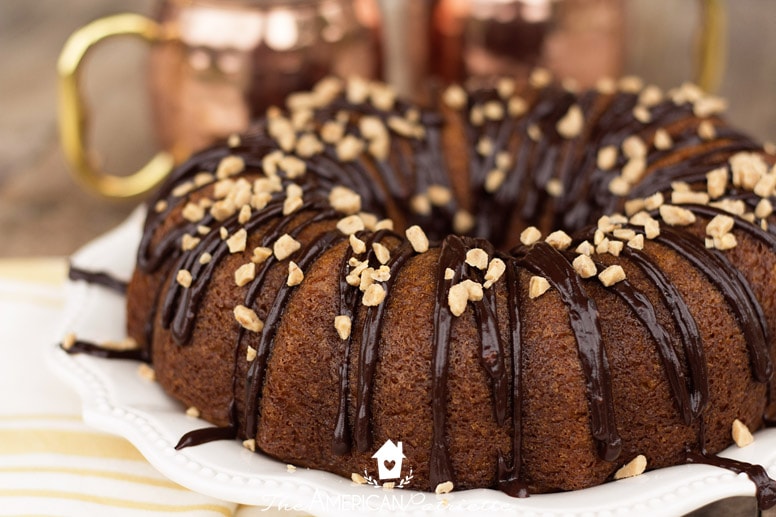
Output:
x=389 y=458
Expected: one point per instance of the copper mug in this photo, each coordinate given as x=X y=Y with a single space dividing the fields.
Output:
x=214 y=65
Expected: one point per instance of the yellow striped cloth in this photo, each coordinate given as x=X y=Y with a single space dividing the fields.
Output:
x=51 y=463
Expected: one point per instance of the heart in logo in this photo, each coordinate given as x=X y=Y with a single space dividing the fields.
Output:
x=389 y=464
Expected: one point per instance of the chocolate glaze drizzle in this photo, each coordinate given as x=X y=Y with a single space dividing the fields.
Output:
x=411 y=167
x=98 y=278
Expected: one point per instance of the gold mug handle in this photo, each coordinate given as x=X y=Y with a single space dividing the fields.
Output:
x=73 y=121
x=710 y=50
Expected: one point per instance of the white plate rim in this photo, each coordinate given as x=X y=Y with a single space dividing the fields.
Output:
x=225 y=470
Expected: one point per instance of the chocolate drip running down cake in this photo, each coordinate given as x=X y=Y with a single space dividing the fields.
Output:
x=533 y=288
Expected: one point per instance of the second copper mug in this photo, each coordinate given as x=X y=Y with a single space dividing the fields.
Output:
x=215 y=65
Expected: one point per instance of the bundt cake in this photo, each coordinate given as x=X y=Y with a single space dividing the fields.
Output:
x=532 y=288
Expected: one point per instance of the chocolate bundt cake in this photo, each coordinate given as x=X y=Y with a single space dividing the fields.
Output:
x=532 y=288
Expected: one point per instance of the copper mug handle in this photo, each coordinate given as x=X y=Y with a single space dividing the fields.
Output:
x=73 y=119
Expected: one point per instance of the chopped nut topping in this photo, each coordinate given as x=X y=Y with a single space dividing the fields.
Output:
x=182 y=189
x=611 y=275
x=295 y=274
x=193 y=212
x=476 y=116
x=540 y=77
x=598 y=237
x=308 y=145
x=183 y=278
x=291 y=468
x=731 y=206
x=650 y=96
x=444 y=488
x=357 y=90
x=229 y=166
x=634 y=467
x=690 y=197
x=449 y=273
x=248 y=319
x=637 y=242
x=652 y=228
x=571 y=124
x=633 y=206
x=160 y=206
x=332 y=131
x=381 y=252
x=477 y=257
x=619 y=186
x=605 y=85
x=285 y=246
x=642 y=114
x=602 y=246
x=725 y=242
x=349 y=148
x=494 y=179
x=146 y=372
x=236 y=243
x=417 y=238
x=654 y=201
x=537 y=286
x=384 y=224
x=634 y=169
x=720 y=225
x=250 y=444
x=383 y=97
x=505 y=87
x=69 y=340
x=357 y=478
x=676 y=216
x=615 y=247
x=292 y=204
x=342 y=324
x=421 y=204
x=584 y=266
x=517 y=106
x=663 y=140
x=763 y=209
x=250 y=353
x=634 y=147
x=554 y=187
x=189 y=242
x=530 y=235
x=503 y=160
x=630 y=84
x=493 y=110
x=192 y=412
x=534 y=132
x=485 y=146
x=765 y=185
x=462 y=293
x=496 y=268
x=455 y=97
x=245 y=274
x=439 y=195
x=624 y=234
x=350 y=224
x=344 y=200
x=260 y=254
x=706 y=130
x=405 y=128
x=357 y=244
x=709 y=105
x=607 y=157
x=741 y=434
x=558 y=240
x=205 y=258
x=374 y=295
x=463 y=222
x=381 y=274
x=585 y=248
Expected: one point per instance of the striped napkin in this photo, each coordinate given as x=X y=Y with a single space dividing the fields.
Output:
x=51 y=463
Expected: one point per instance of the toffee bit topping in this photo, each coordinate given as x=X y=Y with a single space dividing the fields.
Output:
x=741 y=434
x=374 y=295
x=634 y=467
x=611 y=275
x=496 y=268
x=236 y=243
x=477 y=257
x=248 y=319
x=295 y=274
x=663 y=140
x=571 y=124
x=444 y=488
x=455 y=97
x=245 y=274
x=343 y=324
x=250 y=354
x=192 y=412
x=350 y=224
x=229 y=166
x=285 y=246
x=417 y=238
x=530 y=235
x=676 y=216
x=381 y=252
x=607 y=157
x=537 y=286
x=584 y=266
x=250 y=444
x=183 y=277
x=558 y=240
